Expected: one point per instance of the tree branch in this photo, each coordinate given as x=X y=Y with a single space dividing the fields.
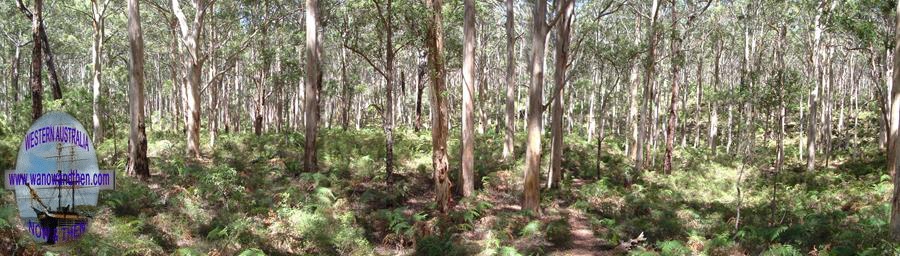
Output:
x=179 y=15
x=380 y=15
x=371 y=63
x=606 y=10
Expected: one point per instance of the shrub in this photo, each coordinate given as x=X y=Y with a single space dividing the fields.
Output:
x=558 y=232
x=673 y=248
x=438 y=245
x=782 y=250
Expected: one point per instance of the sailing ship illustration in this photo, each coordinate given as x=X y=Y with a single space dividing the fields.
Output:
x=65 y=221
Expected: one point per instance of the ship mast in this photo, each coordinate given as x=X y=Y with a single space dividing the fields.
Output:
x=59 y=180
x=70 y=177
x=35 y=196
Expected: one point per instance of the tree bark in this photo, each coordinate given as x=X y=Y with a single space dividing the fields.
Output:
x=673 y=100
x=814 y=93
x=14 y=69
x=137 y=164
x=439 y=107
x=779 y=159
x=190 y=37
x=98 y=22
x=37 y=89
x=650 y=65
x=420 y=88
x=263 y=74
x=713 y=102
x=347 y=96
x=313 y=73
x=633 y=117
x=893 y=160
x=532 y=200
x=47 y=53
x=388 y=117
x=467 y=174
x=699 y=104
x=566 y=8
x=509 y=140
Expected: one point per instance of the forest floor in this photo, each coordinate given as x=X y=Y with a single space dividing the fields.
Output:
x=248 y=196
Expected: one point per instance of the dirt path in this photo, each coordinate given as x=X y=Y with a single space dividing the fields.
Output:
x=583 y=239
x=583 y=242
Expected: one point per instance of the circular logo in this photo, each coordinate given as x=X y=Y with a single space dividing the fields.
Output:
x=57 y=179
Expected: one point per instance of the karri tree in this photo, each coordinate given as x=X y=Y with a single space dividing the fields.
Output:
x=440 y=109
x=137 y=149
x=313 y=83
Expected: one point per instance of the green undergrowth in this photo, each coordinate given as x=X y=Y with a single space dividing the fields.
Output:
x=251 y=196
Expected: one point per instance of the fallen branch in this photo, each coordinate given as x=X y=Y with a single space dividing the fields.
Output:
x=627 y=245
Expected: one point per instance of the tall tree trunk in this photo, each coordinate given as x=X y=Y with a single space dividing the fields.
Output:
x=673 y=100
x=893 y=159
x=601 y=136
x=650 y=65
x=713 y=102
x=388 y=116
x=509 y=140
x=633 y=117
x=263 y=73
x=260 y=101
x=829 y=104
x=14 y=69
x=779 y=160
x=214 y=105
x=730 y=123
x=439 y=107
x=633 y=80
x=345 y=85
x=467 y=174
x=814 y=93
x=539 y=30
x=47 y=53
x=281 y=103
x=590 y=115
x=98 y=18
x=193 y=61
x=213 y=82
x=566 y=8
x=313 y=74
x=177 y=98
x=193 y=102
x=137 y=161
x=698 y=105
x=37 y=89
x=420 y=88
x=482 y=84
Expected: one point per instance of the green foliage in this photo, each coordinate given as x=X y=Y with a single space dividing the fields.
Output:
x=508 y=251
x=221 y=182
x=438 y=245
x=558 y=232
x=473 y=211
x=124 y=236
x=231 y=231
x=673 y=248
x=251 y=195
x=130 y=196
x=252 y=252
x=531 y=229
x=187 y=252
x=782 y=250
x=400 y=224
x=7 y=213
